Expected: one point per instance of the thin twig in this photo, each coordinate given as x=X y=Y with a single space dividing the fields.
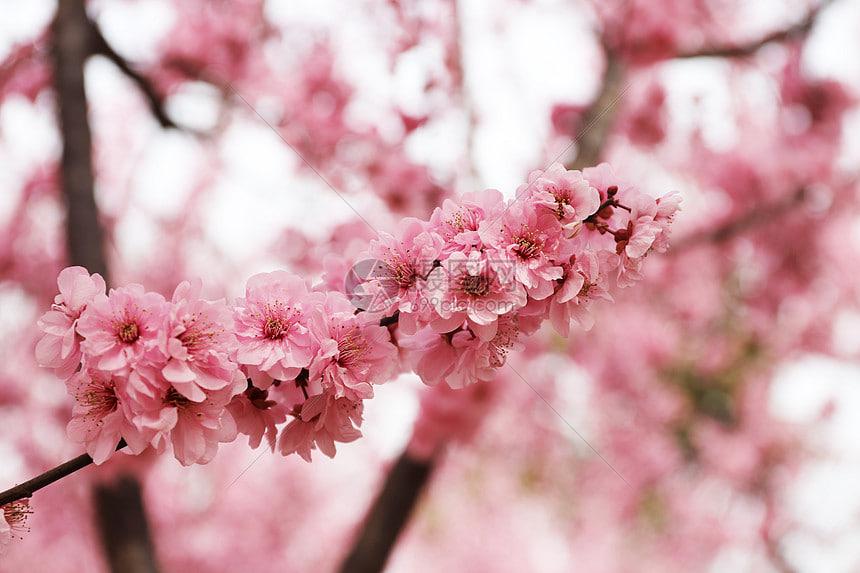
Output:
x=154 y=100
x=31 y=486
x=747 y=49
x=749 y=220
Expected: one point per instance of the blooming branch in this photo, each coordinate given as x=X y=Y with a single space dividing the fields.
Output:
x=293 y=363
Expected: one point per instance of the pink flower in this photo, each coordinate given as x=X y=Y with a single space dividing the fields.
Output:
x=478 y=359
x=582 y=283
x=403 y=263
x=530 y=240
x=457 y=222
x=353 y=354
x=566 y=193
x=59 y=348
x=13 y=522
x=429 y=354
x=320 y=422
x=474 y=287
x=636 y=239
x=257 y=413
x=100 y=416
x=121 y=330
x=463 y=358
x=630 y=221
x=193 y=428
x=272 y=324
x=199 y=342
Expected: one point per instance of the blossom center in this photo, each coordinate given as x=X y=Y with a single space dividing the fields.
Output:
x=586 y=286
x=527 y=245
x=562 y=200
x=350 y=348
x=402 y=273
x=196 y=334
x=275 y=329
x=100 y=399
x=475 y=285
x=503 y=342
x=465 y=219
x=128 y=332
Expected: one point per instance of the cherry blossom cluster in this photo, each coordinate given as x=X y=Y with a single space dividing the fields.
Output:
x=482 y=271
x=293 y=363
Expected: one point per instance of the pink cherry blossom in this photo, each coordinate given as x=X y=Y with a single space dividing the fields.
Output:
x=100 y=416
x=429 y=354
x=530 y=238
x=479 y=359
x=320 y=422
x=566 y=193
x=462 y=358
x=272 y=324
x=581 y=284
x=353 y=354
x=121 y=329
x=476 y=287
x=257 y=413
x=194 y=429
x=398 y=280
x=199 y=342
x=59 y=348
x=629 y=222
x=457 y=222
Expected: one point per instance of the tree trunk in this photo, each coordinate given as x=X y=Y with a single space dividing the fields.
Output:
x=84 y=235
x=388 y=516
x=119 y=506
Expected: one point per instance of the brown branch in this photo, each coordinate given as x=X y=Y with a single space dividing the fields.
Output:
x=31 y=486
x=388 y=515
x=123 y=527
x=747 y=49
x=751 y=219
x=596 y=122
x=155 y=101
x=70 y=51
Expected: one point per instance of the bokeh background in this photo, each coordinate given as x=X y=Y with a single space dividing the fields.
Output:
x=722 y=394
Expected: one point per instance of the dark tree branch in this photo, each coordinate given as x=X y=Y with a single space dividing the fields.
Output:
x=746 y=221
x=388 y=515
x=31 y=486
x=596 y=122
x=84 y=234
x=154 y=100
x=123 y=527
x=742 y=50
